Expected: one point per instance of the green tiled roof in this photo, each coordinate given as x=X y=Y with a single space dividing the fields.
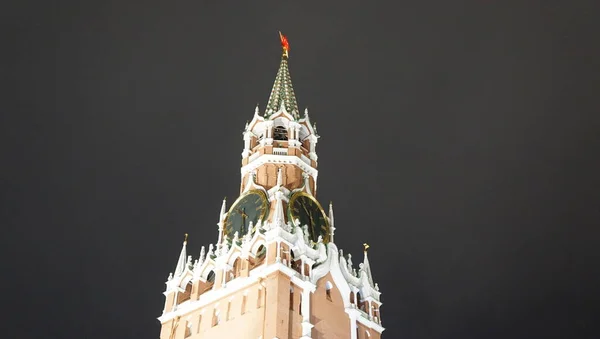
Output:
x=283 y=92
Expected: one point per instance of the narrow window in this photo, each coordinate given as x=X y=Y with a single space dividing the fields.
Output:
x=258 y=301
x=216 y=318
x=244 y=304
x=291 y=298
x=228 y=311
x=188 y=329
x=199 y=323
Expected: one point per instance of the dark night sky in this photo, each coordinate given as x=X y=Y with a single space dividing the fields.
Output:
x=459 y=138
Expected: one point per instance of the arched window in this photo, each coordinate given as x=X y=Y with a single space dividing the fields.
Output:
x=280 y=133
x=237 y=267
x=291 y=298
x=260 y=255
x=328 y=287
x=211 y=277
x=187 y=293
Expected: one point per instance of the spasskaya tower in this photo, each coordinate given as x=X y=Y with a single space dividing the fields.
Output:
x=274 y=271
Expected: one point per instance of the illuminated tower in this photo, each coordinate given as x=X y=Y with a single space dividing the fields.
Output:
x=275 y=271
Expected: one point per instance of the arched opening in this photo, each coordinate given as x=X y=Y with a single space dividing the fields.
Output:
x=328 y=287
x=359 y=302
x=211 y=277
x=210 y=282
x=291 y=298
x=352 y=297
x=237 y=267
x=296 y=264
x=186 y=294
x=376 y=314
x=280 y=133
x=260 y=255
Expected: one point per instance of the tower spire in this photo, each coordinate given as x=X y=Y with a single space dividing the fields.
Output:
x=282 y=93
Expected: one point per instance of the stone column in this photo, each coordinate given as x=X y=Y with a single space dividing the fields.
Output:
x=306 y=325
x=353 y=326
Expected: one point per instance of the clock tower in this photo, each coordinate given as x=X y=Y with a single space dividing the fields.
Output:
x=275 y=271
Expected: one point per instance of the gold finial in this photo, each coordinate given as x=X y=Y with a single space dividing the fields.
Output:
x=185 y=238
x=366 y=246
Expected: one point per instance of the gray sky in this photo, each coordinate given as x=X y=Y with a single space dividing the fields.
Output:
x=458 y=138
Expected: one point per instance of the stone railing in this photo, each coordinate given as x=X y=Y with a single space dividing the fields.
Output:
x=280 y=151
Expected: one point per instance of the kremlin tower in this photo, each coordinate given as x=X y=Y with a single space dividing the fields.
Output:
x=275 y=271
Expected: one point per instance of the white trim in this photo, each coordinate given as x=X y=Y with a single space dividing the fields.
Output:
x=332 y=265
x=209 y=297
x=279 y=159
x=360 y=317
x=234 y=286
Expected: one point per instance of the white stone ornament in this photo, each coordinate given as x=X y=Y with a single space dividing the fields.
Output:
x=202 y=255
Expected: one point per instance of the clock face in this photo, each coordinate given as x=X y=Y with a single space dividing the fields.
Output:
x=249 y=207
x=309 y=212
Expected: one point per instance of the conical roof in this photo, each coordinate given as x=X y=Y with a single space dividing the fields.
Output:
x=282 y=93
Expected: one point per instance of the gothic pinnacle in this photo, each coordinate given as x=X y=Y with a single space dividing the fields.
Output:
x=181 y=263
x=279 y=178
x=331 y=221
x=223 y=209
x=202 y=255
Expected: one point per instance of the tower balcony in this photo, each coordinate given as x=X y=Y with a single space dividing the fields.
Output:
x=281 y=149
